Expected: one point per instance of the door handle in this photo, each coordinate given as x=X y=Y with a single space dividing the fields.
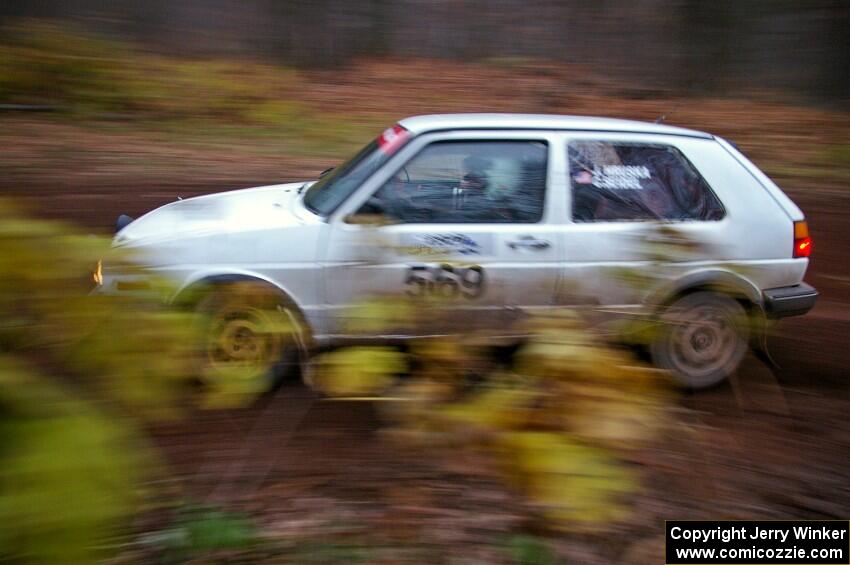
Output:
x=528 y=242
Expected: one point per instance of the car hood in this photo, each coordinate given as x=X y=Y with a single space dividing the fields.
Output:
x=237 y=210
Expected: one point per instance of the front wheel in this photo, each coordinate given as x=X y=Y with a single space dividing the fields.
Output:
x=703 y=339
x=253 y=340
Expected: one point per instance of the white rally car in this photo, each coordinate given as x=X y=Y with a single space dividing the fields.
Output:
x=497 y=213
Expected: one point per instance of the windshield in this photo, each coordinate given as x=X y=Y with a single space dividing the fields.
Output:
x=335 y=187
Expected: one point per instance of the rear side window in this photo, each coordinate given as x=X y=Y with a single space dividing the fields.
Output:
x=621 y=181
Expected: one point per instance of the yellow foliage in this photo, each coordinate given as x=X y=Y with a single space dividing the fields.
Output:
x=70 y=473
x=380 y=316
x=557 y=422
x=490 y=411
x=73 y=461
x=578 y=487
x=356 y=371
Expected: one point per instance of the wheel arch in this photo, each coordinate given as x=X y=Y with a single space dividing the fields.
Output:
x=721 y=281
x=197 y=287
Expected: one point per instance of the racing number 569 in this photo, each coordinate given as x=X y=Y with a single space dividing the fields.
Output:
x=446 y=281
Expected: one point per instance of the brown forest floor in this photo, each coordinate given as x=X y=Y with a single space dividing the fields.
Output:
x=775 y=445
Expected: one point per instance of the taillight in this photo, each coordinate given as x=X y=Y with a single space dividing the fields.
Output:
x=802 y=241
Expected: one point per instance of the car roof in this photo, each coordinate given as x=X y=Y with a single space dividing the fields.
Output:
x=437 y=122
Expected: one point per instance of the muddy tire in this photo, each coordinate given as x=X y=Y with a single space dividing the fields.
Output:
x=254 y=339
x=702 y=339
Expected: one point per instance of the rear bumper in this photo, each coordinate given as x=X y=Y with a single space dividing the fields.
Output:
x=789 y=300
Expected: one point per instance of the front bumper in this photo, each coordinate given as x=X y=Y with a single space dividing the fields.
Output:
x=789 y=300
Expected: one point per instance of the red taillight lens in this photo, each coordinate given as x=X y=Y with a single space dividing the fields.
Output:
x=802 y=241
x=803 y=247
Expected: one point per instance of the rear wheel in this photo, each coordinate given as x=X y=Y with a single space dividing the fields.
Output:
x=253 y=339
x=703 y=338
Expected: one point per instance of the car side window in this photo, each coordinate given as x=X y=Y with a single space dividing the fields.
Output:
x=468 y=182
x=623 y=181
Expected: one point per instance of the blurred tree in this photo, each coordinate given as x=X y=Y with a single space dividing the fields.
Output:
x=835 y=76
x=799 y=46
x=707 y=44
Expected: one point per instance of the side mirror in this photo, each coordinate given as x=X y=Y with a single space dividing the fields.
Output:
x=372 y=213
x=372 y=220
x=373 y=206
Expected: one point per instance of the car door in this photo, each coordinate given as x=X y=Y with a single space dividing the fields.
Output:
x=640 y=214
x=470 y=223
